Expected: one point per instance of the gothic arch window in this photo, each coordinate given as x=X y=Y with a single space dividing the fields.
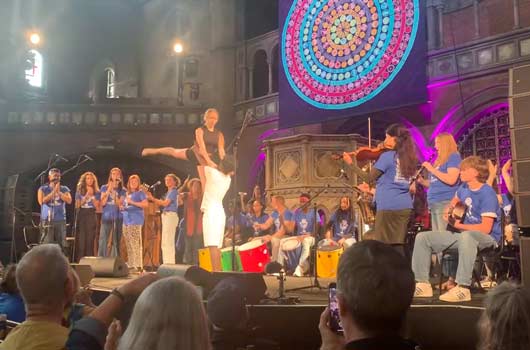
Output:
x=260 y=74
x=111 y=82
x=34 y=72
x=275 y=59
x=487 y=135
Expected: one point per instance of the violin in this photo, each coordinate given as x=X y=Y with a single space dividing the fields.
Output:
x=366 y=153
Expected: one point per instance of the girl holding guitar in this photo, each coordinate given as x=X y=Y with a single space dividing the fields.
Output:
x=443 y=179
x=207 y=150
x=392 y=173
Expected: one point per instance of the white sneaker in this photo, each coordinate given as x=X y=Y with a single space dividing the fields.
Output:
x=456 y=295
x=423 y=290
x=298 y=272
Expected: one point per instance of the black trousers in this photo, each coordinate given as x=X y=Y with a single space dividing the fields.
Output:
x=86 y=233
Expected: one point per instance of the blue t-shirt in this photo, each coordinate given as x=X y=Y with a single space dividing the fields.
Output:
x=13 y=306
x=110 y=209
x=90 y=203
x=253 y=219
x=241 y=222
x=341 y=225
x=481 y=202
x=438 y=190
x=287 y=216
x=173 y=206
x=133 y=215
x=305 y=222
x=58 y=205
x=392 y=189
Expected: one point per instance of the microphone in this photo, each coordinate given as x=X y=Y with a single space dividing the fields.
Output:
x=344 y=174
x=155 y=184
x=87 y=157
x=58 y=156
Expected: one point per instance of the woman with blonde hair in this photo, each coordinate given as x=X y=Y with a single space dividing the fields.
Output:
x=133 y=220
x=207 y=150
x=87 y=199
x=443 y=178
x=505 y=322
x=159 y=322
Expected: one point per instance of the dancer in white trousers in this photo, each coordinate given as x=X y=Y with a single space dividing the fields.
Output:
x=214 y=218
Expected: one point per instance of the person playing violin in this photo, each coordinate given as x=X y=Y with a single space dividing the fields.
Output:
x=391 y=174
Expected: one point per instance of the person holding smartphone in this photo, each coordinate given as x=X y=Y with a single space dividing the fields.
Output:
x=364 y=268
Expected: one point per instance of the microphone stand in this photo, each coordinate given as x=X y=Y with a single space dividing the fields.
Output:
x=76 y=210
x=235 y=144
x=314 y=283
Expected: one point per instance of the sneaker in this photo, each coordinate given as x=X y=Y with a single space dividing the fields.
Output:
x=423 y=290
x=298 y=272
x=456 y=295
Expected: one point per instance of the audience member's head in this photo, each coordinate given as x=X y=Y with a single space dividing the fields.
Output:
x=44 y=279
x=227 y=305
x=375 y=287
x=9 y=280
x=168 y=315
x=505 y=323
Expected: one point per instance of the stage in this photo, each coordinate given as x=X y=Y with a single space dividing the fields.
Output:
x=310 y=296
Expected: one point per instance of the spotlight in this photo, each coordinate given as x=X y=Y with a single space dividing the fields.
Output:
x=34 y=38
x=178 y=48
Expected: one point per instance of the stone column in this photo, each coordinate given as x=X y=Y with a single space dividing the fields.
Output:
x=269 y=64
x=516 y=19
x=476 y=14
x=250 y=82
x=440 y=15
x=432 y=42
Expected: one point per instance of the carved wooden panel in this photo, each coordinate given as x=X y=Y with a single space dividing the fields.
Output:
x=288 y=167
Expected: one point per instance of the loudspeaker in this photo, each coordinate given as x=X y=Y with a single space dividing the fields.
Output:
x=84 y=272
x=252 y=283
x=525 y=261
x=106 y=266
x=520 y=140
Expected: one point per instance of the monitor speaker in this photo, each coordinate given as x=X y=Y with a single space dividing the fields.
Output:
x=525 y=261
x=84 y=272
x=106 y=266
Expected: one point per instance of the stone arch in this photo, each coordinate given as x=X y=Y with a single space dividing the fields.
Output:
x=260 y=74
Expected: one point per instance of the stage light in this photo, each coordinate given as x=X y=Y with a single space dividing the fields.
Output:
x=34 y=38
x=178 y=48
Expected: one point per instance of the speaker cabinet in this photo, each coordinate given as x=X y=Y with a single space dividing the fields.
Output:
x=519 y=80
x=106 y=266
x=84 y=272
x=525 y=261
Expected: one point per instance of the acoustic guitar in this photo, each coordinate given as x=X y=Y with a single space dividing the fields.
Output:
x=457 y=213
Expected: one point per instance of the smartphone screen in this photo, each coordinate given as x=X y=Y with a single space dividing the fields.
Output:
x=334 y=321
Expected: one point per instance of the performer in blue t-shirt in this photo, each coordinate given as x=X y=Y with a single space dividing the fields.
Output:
x=133 y=219
x=306 y=226
x=112 y=195
x=52 y=197
x=479 y=229
x=443 y=178
x=257 y=217
x=170 y=218
x=281 y=223
x=392 y=173
x=341 y=225
x=87 y=198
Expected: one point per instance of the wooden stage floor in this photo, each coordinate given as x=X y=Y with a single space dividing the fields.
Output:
x=308 y=296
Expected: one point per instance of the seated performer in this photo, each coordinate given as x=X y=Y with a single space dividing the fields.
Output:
x=213 y=220
x=283 y=220
x=341 y=225
x=52 y=198
x=480 y=229
x=241 y=226
x=207 y=150
x=256 y=218
x=306 y=230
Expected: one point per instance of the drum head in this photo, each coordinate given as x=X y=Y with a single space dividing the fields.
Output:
x=251 y=245
x=229 y=249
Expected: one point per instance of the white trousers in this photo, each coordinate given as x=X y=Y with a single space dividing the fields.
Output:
x=170 y=221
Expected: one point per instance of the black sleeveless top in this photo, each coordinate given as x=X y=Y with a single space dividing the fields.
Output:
x=211 y=142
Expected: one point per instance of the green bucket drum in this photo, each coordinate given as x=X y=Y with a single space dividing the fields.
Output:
x=226 y=259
